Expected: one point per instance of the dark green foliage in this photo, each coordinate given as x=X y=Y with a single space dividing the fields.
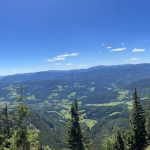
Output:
x=119 y=142
x=21 y=141
x=5 y=128
x=147 y=124
x=6 y=122
x=75 y=136
x=137 y=137
x=109 y=144
x=115 y=143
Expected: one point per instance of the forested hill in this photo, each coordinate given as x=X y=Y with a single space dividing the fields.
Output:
x=119 y=72
x=104 y=95
x=101 y=84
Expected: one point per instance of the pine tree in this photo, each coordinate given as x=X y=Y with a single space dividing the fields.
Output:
x=147 y=124
x=75 y=140
x=119 y=142
x=6 y=125
x=114 y=143
x=21 y=141
x=138 y=133
x=109 y=143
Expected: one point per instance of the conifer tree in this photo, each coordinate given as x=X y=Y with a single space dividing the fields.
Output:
x=147 y=124
x=138 y=133
x=119 y=142
x=21 y=140
x=6 y=125
x=114 y=143
x=75 y=140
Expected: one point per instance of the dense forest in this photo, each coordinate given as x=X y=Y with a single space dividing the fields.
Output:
x=18 y=133
x=91 y=109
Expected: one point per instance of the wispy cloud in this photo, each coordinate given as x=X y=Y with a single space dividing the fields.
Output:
x=69 y=64
x=83 y=66
x=137 y=50
x=62 y=57
x=119 y=49
x=132 y=60
x=59 y=58
x=67 y=55
x=109 y=47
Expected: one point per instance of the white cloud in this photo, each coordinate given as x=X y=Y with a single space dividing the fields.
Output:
x=59 y=58
x=67 y=55
x=62 y=57
x=137 y=50
x=109 y=47
x=50 y=60
x=119 y=49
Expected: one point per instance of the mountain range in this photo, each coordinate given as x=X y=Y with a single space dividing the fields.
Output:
x=100 y=84
x=104 y=94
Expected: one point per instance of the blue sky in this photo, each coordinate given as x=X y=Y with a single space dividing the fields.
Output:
x=38 y=35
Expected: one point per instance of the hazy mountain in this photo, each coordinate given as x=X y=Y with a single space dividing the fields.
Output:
x=104 y=94
x=112 y=73
x=98 y=84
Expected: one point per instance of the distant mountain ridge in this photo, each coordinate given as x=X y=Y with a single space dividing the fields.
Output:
x=128 y=72
x=100 y=84
x=104 y=94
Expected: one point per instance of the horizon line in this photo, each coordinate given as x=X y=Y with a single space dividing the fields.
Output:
x=72 y=69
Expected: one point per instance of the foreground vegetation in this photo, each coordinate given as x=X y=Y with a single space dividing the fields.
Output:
x=18 y=133
x=137 y=137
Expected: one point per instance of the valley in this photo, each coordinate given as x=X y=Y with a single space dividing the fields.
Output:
x=104 y=98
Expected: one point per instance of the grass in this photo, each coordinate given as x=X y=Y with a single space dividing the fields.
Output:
x=32 y=97
x=123 y=94
x=73 y=94
x=54 y=112
x=114 y=113
x=65 y=114
x=92 y=89
x=129 y=104
x=106 y=104
x=64 y=103
x=90 y=123
x=144 y=98
x=53 y=95
x=112 y=104
x=83 y=116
